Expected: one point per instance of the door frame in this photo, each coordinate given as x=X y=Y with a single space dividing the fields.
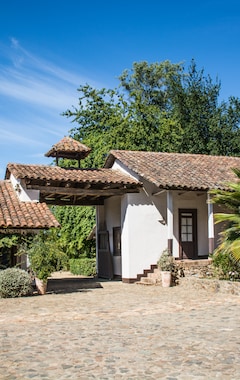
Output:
x=193 y=211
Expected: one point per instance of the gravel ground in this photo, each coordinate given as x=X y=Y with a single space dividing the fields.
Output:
x=91 y=329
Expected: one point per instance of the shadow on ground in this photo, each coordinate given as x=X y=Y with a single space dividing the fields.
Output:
x=70 y=285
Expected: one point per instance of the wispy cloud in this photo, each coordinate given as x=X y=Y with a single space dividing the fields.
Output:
x=36 y=81
x=13 y=137
x=34 y=92
x=23 y=57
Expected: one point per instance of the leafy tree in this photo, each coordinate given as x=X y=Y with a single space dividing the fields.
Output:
x=157 y=107
x=46 y=254
x=149 y=88
x=209 y=127
x=8 y=241
x=127 y=117
x=230 y=237
x=77 y=223
x=104 y=122
x=8 y=246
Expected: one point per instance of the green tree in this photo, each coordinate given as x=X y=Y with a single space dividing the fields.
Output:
x=8 y=247
x=45 y=253
x=77 y=223
x=209 y=127
x=149 y=88
x=157 y=107
x=103 y=120
x=230 y=237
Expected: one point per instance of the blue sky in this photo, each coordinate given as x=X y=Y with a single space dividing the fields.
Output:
x=48 y=48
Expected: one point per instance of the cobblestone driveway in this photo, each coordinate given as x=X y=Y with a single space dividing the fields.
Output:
x=111 y=330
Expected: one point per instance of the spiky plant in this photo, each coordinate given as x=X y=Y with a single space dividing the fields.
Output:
x=230 y=237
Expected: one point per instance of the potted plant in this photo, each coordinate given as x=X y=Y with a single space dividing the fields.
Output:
x=45 y=257
x=166 y=266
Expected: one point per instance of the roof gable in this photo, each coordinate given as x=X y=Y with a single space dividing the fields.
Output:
x=15 y=214
x=73 y=186
x=179 y=170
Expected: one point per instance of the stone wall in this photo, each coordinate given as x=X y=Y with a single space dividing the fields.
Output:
x=211 y=285
x=197 y=268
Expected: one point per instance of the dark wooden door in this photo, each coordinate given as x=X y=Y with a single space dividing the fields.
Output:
x=188 y=233
x=105 y=265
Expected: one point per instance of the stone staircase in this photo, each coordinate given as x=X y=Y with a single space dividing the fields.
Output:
x=186 y=268
x=151 y=278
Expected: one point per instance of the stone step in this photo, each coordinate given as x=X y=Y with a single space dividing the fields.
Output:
x=155 y=275
x=193 y=263
x=147 y=281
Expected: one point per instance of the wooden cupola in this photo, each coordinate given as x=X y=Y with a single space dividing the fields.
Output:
x=70 y=149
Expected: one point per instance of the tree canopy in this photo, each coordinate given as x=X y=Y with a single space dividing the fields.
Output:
x=157 y=107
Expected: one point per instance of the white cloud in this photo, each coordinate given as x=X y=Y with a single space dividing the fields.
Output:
x=14 y=137
x=35 y=91
x=34 y=80
x=33 y=94
x=31 y=61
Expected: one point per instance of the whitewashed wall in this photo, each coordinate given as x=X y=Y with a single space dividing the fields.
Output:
x=24 y=194
x=143 y=236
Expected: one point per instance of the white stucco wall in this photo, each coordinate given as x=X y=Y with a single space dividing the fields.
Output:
x=24 y=194
x=143 y=236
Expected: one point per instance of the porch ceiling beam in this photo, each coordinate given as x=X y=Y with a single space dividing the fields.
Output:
x=75 y=191
x=159 y=192
x=24 y=230
x=73 y=202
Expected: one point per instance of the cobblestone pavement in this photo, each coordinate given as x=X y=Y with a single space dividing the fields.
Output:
x=111 y=330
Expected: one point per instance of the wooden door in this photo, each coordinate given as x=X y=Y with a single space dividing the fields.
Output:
x=188 y=233
x=105 y=265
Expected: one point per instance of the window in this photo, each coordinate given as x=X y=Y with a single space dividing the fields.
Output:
x=186 y=227
x=117 y=241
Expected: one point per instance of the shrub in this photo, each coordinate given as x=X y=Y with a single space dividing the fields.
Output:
x=45 y=255
x=226 y=267
x=14 y=282
x=84 y=267
x=166 y=261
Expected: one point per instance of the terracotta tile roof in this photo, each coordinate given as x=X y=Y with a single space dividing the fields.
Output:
x=22 y=215
x=177 y=170
x=58 y=174
x=68 y=148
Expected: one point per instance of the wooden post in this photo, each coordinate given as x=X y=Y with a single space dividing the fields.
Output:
x=170 y=221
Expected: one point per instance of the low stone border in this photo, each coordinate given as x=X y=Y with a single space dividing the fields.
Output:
x=211 y=285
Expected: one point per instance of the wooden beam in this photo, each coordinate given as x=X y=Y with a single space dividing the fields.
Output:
x=73 y=202
x=159 y=192
x=23 y=230
x=76 y=191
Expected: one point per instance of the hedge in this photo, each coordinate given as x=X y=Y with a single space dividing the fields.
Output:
x=84 y=267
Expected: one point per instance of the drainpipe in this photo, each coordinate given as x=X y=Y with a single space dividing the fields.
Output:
x=210 y=225
x=170 y=221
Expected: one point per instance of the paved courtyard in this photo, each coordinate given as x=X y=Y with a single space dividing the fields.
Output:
x=110 y=330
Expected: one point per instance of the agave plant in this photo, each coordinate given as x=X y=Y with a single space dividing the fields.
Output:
x=230 y=237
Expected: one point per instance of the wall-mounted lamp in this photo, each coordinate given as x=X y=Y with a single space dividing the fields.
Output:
x=18 y=188
x=162 y=221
